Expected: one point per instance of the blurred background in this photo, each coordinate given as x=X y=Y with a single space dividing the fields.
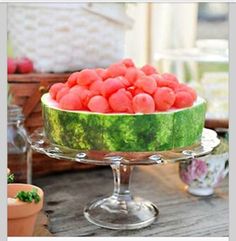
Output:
x=190 y=40
x=159 y=26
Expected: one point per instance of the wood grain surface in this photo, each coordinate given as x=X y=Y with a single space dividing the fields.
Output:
x=217 y=123
x=37 y=77
x=181 y=214
x=41 y=226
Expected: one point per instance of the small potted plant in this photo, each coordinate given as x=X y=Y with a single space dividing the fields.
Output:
x=24 y=203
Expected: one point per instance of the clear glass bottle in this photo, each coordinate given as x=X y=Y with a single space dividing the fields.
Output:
x=19 y=154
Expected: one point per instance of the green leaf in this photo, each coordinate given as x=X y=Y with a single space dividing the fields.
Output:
x=29 y=196
x=10 y=178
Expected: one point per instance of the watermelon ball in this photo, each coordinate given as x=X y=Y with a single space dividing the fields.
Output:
x=72 y=80
x=140 y=73
x=85 y=96
x=183 y=99
x=128 y=62
x=147 y=84
x=134 y=90
x=121 y=101
x=132 y=74
x=162 y=82
x=137 y=91
x=83 y=93
x=87 y=76
x=143 y=103
x=131 y=90
x=191 y=91
x=148 y=69
x=63 y=91
x=124 y=81
x=55 y=88
x=70 y=101
x=115 y=70
x=164 y=98
x=169 y=76
x=98 y=104
x=96 y=87
x=102 y=73
x=157 y=77
x=110 y=86
x=79 y=90
x=129 y=94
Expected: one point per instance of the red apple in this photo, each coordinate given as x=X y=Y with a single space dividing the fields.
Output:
x=11 y=66
x=24 y=66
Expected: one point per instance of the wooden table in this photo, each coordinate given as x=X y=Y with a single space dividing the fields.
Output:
x=181 y=214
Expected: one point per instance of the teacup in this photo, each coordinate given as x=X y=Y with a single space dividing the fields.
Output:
x=203 y=174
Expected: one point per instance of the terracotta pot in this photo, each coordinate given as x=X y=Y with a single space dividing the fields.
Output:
x=22 y=215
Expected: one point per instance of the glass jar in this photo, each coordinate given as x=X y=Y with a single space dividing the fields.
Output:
x=19 y=154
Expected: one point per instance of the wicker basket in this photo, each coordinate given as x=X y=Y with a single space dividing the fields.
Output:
x=61 y=37
x=26 y=91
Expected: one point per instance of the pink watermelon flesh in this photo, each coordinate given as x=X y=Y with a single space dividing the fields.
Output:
x=143 y=103
x=183 y=99
x=148 y=69
x=55 y=88
x=98 y=104
x=121 y=101
x=147 y=84
x=72 y=80
x=87 y=76
x=115 y=70
x=70 y=101
x=164 y=98
x=63 y=91
x=110 y=86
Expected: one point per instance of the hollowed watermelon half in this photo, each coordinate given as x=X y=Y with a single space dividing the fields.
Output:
x=84 y=130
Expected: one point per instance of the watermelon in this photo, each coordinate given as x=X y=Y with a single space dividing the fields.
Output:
x=158 y=131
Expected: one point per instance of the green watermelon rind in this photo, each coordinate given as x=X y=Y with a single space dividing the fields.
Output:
x=159 y=131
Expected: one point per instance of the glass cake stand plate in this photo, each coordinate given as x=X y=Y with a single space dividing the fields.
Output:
x=122 y=210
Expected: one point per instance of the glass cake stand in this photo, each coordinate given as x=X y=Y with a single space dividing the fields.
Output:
x=122 y=210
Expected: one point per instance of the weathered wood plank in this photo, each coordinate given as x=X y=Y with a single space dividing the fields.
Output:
x=41 y=226
x=181 y=214
x=37 y=77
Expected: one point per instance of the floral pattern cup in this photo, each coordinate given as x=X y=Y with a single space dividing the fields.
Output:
x=203 y=174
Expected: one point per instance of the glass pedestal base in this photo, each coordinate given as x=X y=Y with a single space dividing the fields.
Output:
x=121 y=212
